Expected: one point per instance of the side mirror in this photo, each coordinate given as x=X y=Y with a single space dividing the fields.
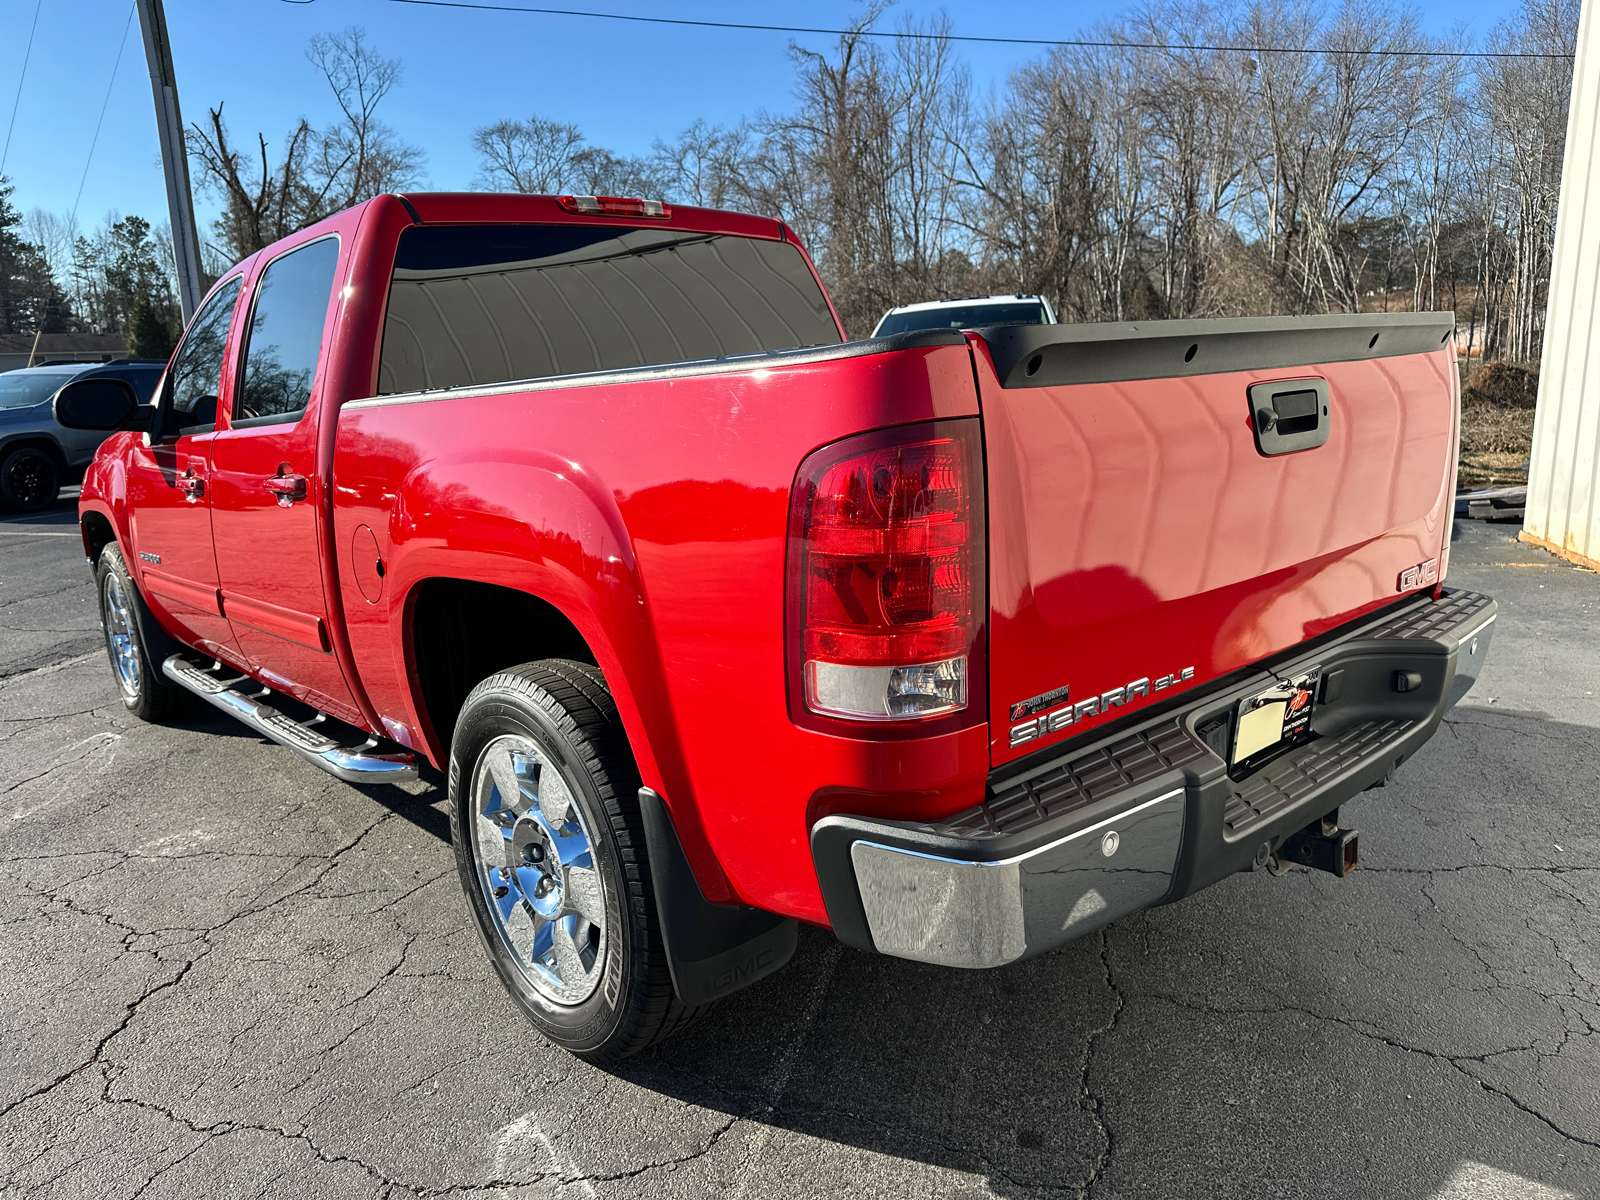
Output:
x=99 y=404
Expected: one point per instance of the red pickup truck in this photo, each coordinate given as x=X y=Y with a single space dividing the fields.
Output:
x=961 y=644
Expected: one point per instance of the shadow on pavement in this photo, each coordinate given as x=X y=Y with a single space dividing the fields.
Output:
x=63 y=513
x=424 y=808
x=1305 y=1036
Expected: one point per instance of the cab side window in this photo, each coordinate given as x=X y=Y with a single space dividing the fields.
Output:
x=285 y=338
x=190 y=402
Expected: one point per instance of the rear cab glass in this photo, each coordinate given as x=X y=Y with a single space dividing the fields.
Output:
x=481 y=304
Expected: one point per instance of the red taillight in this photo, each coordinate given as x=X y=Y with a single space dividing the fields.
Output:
x=888 y=572
x=615 y=206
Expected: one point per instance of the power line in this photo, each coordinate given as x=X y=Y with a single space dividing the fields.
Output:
x=27 y=54
x=913 y=35
x=104 y=104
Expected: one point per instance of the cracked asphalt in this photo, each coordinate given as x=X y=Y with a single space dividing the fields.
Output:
x=223 y=973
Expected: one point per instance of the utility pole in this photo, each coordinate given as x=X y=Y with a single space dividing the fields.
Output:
x=174 y=158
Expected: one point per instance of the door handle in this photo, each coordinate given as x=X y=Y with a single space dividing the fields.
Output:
x=192 y=486
x=287 y=488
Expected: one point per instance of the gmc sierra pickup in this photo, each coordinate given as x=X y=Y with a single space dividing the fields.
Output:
x=959 y=643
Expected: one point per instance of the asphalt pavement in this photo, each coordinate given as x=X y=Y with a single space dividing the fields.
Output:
x=223 y=973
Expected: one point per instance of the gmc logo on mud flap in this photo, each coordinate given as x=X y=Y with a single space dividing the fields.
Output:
x=741 y=971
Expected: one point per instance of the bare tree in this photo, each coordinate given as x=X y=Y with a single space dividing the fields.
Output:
x=867 y=166
x=703 y=166
x=54 y=234
x=534 y=155
x=359 y=157
x=1033 y=185
x=320 y=172
x=259 y=206
x=1527 y=101
x=1191 y=107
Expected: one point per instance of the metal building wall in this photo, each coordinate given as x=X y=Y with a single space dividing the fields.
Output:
x=1563 y=513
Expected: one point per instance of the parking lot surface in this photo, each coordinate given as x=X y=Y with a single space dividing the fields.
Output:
x=223 y=973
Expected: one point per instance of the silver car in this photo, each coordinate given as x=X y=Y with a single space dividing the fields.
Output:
x=37 y=456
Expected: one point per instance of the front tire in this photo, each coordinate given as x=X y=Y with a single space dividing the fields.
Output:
x=550 y=849
x=29 y=480
x=136 y=644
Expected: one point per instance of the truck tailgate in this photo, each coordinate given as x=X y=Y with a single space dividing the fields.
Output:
x=1139 y=533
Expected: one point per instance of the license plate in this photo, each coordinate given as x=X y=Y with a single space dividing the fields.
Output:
x=1269 y=719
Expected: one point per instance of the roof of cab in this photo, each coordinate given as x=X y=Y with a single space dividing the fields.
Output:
x=496 y=208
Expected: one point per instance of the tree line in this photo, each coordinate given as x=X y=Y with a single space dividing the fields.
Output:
x=1236 y=158
x=58 y=278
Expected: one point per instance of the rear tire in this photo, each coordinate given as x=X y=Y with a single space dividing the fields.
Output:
x=557 y=877
x=29 y=479
x=136 y=644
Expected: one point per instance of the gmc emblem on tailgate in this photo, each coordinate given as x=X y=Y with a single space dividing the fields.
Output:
x=1420 y=575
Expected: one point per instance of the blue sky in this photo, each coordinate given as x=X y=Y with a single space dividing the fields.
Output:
x=624 y=84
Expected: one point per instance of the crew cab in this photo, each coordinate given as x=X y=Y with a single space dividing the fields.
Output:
x=960 y=644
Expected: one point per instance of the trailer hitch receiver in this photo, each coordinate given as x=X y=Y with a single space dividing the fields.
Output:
x=1323 y=846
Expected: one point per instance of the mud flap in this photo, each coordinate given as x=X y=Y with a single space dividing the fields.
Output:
x=712 y=949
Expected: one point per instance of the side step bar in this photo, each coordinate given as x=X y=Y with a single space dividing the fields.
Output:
x=366 y=762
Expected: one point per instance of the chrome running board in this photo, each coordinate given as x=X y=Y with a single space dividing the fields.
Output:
x=365 y=762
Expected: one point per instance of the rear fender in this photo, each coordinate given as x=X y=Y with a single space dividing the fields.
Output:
x=537 y=523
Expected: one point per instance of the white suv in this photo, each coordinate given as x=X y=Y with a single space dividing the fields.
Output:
x=967 y=312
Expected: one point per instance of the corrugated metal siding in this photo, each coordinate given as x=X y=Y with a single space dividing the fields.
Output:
x=1564 y=479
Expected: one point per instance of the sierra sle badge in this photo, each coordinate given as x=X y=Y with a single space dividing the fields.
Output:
x=1071 y=714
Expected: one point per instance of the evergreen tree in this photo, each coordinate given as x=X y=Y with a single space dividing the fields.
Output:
x=30 y=299
x=151 y=334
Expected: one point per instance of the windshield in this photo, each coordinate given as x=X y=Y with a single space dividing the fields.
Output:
x=963 y=316
x=23 y=389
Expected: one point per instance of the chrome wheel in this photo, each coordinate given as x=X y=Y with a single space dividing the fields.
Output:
x=125 y=659
x=535 y=863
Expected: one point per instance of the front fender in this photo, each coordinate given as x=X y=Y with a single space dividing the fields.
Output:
x=105 y=491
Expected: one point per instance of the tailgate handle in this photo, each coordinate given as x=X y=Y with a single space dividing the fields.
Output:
x=1290 y=414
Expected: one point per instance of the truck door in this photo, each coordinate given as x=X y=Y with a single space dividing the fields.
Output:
x=265 y=471
x=169 y=485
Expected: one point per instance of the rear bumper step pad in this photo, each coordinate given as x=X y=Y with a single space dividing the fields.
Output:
x=368 y=762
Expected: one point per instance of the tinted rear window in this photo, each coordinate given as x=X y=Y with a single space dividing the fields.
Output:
x=971 y=316
x=477 y=304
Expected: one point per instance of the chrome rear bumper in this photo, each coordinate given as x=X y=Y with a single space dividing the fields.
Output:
x=1091 y=830
x=966 y=913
